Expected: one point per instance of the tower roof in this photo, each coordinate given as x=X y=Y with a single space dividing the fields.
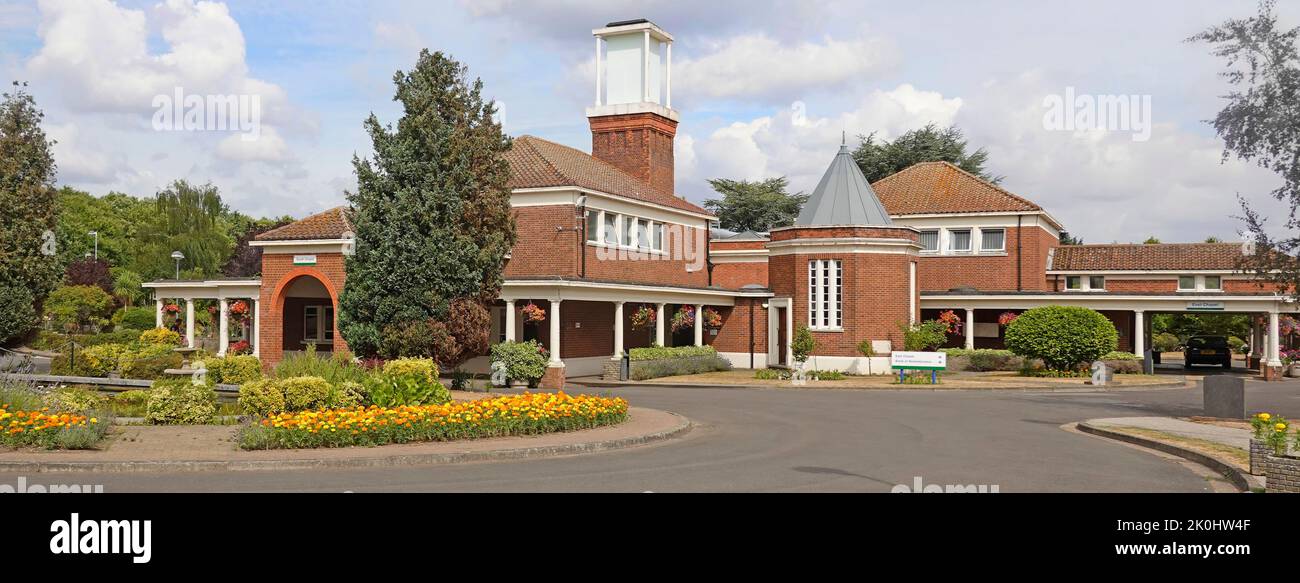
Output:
x=843 y=197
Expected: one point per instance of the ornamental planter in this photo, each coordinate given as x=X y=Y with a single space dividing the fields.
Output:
x=1293 y=370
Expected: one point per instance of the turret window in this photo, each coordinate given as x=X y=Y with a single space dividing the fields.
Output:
x=825 y=287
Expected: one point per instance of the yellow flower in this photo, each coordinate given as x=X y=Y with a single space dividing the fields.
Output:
x=1265 y=417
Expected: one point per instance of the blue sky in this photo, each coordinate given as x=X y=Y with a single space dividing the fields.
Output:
x=740 y=68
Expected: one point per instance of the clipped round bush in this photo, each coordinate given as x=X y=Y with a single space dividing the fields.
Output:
x=1061 y=336
x=524 y=360
x=133 y=318
x=233 y=370
x=180 y=402
x=161 y=336
x=304 y=393
x=261 y=397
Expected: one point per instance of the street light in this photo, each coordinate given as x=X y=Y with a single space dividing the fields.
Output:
x=96 y=235
x=178 y=256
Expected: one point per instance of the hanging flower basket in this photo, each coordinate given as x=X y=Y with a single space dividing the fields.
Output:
x=712 y=318
x=172 y=309
x=684 y=318
x=952 y=321
x=239 y=347
x=1006 y=318
x=644 y=317
x=532 y=313
x=1286 y=325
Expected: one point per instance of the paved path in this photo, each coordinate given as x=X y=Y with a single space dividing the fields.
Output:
x=1238 y=438
x=786 y=440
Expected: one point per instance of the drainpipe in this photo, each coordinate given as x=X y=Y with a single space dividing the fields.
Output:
x=752 y=302
x=582 y=240
x=708 y=260
x=1020 y=257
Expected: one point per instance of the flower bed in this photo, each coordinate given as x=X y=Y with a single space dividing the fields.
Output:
x=49 y=430
x=526 y=414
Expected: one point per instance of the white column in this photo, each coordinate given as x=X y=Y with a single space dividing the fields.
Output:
x=668 y=75
x=256 y=313
x=659 y=324
x=618 y=330
x=598 y=97
x=911 y=293
x=645 y=67
x=223 y=329
x=699 y=325
x=189 y=323
x=555 y=334
x=1139 y=333
x=1274 y=352
x=510 y=320
x=157 y=313
x=970 y=329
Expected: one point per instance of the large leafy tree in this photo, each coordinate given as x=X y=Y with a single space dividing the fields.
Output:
x=246 y=260
x=432 y=220
x=29 y=265
x=879 y=158
x=1261 y=123
x=191 y=219
x=755 y=205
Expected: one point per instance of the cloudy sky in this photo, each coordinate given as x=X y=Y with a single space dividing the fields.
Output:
x=764 y=87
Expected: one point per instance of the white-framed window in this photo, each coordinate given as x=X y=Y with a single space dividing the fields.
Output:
x=658 y=236
x=593 y=226
x=1213 y=282
x=318 y=324
x=959 y=240
x=993 y=240
x=930 y=240
x=611 y=228
x=628 y=231
x=1074 y=282
x=1186 y=283
x=643 y=234
x=1097 y=282
x=825 y=290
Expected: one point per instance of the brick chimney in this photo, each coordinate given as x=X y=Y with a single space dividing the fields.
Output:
x=632 y=122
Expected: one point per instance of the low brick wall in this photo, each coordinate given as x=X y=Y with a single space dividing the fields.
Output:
x=1282 y=474
x=1259 y=452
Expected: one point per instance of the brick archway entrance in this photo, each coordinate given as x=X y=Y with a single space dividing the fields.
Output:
x=302 y=311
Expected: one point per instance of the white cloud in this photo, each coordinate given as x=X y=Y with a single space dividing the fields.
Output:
x=268 y=146
x=756 y=67
x=799 y=144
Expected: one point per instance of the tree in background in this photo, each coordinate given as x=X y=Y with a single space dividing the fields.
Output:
x=755 y=206
x=1069 y=239
x=1152 y=240
x=29 y=268
x=246 y=260
x=1213 y=239
x=432 y=219
x=89 y=271
x=1259 y=124
x=880 y=158
x=1185 y=326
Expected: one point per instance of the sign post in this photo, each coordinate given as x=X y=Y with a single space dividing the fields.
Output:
x=931 y=361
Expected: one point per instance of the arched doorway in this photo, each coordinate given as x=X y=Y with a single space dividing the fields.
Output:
x=308 y=307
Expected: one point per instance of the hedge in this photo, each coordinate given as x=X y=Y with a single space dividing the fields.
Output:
x=665 y=352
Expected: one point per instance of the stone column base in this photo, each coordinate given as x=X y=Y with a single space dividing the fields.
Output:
x=1271 y=373
x=609 y=371
x=553 y=379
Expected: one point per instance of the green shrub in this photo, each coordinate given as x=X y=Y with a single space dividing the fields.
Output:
x=148 y=361
x=180 y=402
x=865 y=348
x=54 y=341
x=132 y=398
x=348 y=394
x=803 y=344
x=1119 y=355
x=928 y=335
x=524 y=361
x=1061 y=336
x=826 y=375
x=233 y=370
x=986 y=360
x=337 y=368
x=305 y=393
x=407 y=381
x=74 y=400
x=770 y=374
x=1238 y=345
x=659 y=352
x=74 y=307
x=93 y=361
x=261 y=397
x=17 y=312
x=1165 y=342
x=133 y=319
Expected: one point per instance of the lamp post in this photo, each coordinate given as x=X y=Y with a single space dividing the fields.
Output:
x=178 y=256
x=96 y=235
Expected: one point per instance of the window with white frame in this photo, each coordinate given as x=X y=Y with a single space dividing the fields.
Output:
x=643 y=234
x=611 y=229
x=993 y=239
x=1186 y=282
x=959 y=240
x=1097 y=282
x=318 y=324
x=930 y=240
x=1213 y=282
x=825 y=287
x=628 y=237
x=593 y=226
x=1074 y=282
x=658 y=236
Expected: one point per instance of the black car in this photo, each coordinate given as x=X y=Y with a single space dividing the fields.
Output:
x=1207 y=350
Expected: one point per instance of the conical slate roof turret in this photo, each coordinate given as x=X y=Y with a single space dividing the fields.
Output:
x=843 y=197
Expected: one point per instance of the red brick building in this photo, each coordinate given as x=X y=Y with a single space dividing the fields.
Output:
x=606 y=234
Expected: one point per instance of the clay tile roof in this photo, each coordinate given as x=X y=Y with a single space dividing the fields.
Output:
x=1136 y=257
x=537 y=163
x=941 y=187
x=331 y=224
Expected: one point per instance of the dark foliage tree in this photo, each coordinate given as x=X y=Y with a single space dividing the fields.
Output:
x=246 y=260
x=755 y=205
x=89 y=271
x=880 y=158
x=1261 y=123
x=29 y=263
x=432 y=220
